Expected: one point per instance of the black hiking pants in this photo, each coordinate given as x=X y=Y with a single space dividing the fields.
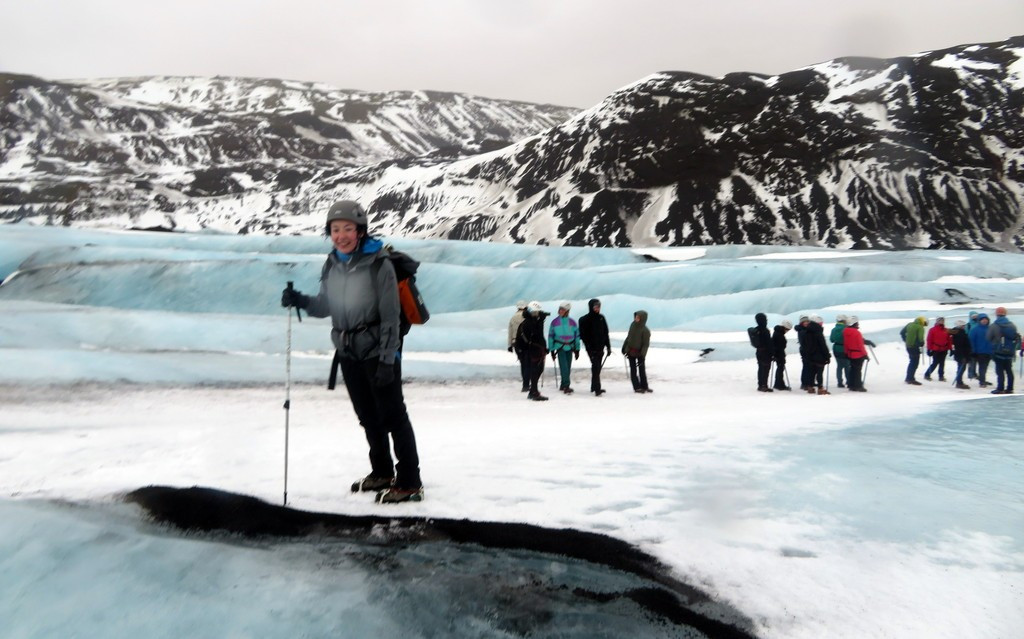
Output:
x=780 y=373
x=764 y=367
x=535 y=368
x=524 y=367
x=638 y=373
x=381 y=412
x=855 y=377
x=596 y=361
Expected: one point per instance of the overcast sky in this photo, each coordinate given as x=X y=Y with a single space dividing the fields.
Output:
x=567 y=52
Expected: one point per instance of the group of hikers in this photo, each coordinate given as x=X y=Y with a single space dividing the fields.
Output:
x=973 y=343
x=360 y=291
x=563 y=341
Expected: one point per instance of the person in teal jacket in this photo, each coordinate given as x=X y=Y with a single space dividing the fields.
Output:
x=838 y=350
x=564 y=344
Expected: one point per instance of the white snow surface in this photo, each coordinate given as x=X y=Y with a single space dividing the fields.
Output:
x=816 y=516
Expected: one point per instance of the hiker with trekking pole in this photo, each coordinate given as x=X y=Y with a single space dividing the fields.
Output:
x=855 y=348
x=531 y=341
x=779 y=355
x=594 y=334
x=764 y=351
x=359 y=291
x=818 y=354
x=634 y=348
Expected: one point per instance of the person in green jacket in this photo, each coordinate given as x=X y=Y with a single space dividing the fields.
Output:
x=564 y=344
x=913 y=337
x=638 y=339
x=842 y=361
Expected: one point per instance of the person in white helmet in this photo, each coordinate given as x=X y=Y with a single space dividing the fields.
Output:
x=530 y=339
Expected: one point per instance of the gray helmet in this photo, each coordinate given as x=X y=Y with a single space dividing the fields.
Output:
x=346 y=210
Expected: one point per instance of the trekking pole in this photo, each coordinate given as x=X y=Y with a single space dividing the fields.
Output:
x=827 y=364
x=864 y=376
x=786 y=371
x=288 y=392
x=872 y=349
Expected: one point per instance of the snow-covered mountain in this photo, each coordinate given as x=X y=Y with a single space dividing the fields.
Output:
x=236 y=154
x=922 y=151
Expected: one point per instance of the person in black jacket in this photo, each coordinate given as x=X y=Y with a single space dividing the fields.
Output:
x=531 y=341
x=806 y=370
x=818 y=354
x=779 y=352
x=764 y=352
x=594 y=334
x=961 y=352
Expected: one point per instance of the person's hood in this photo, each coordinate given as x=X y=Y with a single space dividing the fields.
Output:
x=814 y=327
x=369 y=246
x=592 y=303
x=981 y=316
x=762 y=320
x=1000 y=319
x=643 y=317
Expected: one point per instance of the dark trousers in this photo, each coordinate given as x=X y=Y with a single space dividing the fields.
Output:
x=535 y=368
x=915 y=359
x=1004 y=373
x=381 y=412
x=938 y=361
x=596 y=362
x=524 y=368
x=817 y=375
x=806 y=373
x=764 y=368
x=855 y=378
x=780 y=372
x=961 y=368
x=982 y=361
x=638 y=372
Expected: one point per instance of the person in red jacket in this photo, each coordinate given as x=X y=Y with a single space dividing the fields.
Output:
x=856 y=349
x=939 y=343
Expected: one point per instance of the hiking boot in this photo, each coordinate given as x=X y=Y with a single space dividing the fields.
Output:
x=763 y=389
x=526 y=389
x=638 y=390
x=963 y=386
x=599 y=392
x=812 y=390
x=399 y=495
x=648 y=390
x=859 y=389
x=841 y=385
x=913 y=382
x=984 y=384
x=998 y=391
x=942 y=379
x=823 y=391
x=537 y=397
x=927 y=378
x=568 y=391
x=372 y=483
x=782 y=388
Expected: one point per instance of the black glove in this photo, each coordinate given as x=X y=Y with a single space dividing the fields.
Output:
x=291 y=297
x=576 y=354
x=929 y=353
x=554 y=356
x=869 y=343
x=385 y=374
x=510 y=349
x=609 y=351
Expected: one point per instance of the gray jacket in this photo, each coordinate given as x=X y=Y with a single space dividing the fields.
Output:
x=361 y=296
